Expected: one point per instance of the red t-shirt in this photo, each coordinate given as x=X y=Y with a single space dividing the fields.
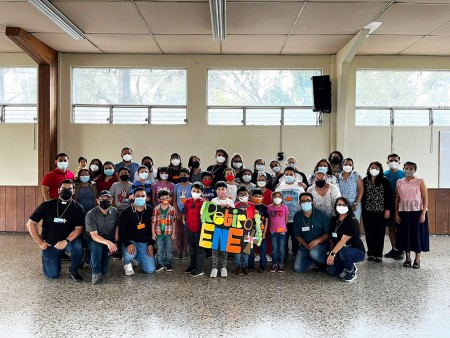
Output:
x=103 y=185
x=192 y=210
x=267 y=197
x=250 y=209
x=54 y=178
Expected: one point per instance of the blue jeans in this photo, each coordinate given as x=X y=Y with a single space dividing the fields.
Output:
x=99 y=256
x=51 y=258
x=305 y=257
x=164 y=254
x=278 y=247
x=345 y=259
x=146 y=262
x=241 y=262
x=262 y=257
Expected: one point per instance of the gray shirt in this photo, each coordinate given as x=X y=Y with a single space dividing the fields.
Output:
x=120 y=191
x=105 y=225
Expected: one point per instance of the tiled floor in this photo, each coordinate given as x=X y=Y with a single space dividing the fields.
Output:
x=386 y=300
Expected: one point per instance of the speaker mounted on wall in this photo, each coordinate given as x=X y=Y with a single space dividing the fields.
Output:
x=322 y=93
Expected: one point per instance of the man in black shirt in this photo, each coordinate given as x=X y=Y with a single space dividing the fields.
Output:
x=63 y=222
x=135 y=232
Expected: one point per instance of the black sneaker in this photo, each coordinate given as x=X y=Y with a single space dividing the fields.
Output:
x=76 y=277
x=196 y=273
x=391 y=254
x=189 y=269
x=400 y=256
x=349 y=276
x=169 y=267
x=371 y=258
x=159 y=267
x=378 y=259
x=65 y=257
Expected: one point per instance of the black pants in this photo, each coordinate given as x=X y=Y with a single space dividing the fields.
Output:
x=197 y=252
x=375 y=228
x=294 y=242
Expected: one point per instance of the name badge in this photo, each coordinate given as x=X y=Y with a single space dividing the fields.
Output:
x=141 y=226
x=59 y=220
x=334 y=234
x=305 y=229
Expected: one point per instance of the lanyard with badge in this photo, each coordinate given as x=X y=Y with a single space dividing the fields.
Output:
x=141 y=224
x=307 y=226
x=59 y=218
x=338 y=224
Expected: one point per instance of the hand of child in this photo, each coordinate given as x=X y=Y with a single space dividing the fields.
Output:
x=173 y=235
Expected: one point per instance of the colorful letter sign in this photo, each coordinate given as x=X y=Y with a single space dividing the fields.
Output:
x=229 y=229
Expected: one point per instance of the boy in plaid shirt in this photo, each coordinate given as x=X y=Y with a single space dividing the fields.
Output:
x=163 y=230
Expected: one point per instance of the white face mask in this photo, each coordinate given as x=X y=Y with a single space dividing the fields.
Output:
x=261 y=183
x=243 y=199
x=94 y=167
x=143 y=175
x=127 y=157
x=237 y=165
x=277 y=200
x=276 y=169
x=196 y=195
x=374 y=172
x=164 y=176
x=409 y=173
x=260 y=167
x=220 y=159
x=175 y=161
x=246 y=178
x=347 y=168
x=62 y=165
x=393 y=165
x=290 y=165
x=342 y=209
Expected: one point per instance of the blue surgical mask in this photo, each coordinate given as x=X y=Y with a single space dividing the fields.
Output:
x=84 y=179
x=323 y=169
x=307 y=206
x=139 y=201
x=289 y=179
x=109 y=172
x=63 y=165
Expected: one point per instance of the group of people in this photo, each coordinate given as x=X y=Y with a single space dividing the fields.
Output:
x=136 y=211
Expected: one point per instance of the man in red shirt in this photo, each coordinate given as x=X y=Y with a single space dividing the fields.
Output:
x=51 y=181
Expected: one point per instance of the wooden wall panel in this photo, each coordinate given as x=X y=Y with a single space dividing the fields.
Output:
x=10 y=208
x=442 y=211
x=20 y=210
x=3 y=209
x=432 y=210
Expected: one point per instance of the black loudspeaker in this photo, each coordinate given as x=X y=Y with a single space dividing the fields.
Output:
x=322 y=93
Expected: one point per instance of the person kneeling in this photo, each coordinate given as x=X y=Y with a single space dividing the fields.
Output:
x=346 y=245
x=311 y=229
x=135 y=232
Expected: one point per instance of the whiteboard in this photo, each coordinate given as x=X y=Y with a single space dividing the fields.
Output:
x=444 y=159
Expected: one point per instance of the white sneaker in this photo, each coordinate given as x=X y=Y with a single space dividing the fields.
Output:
x=257 y=258
x=223 y=272
x=213 y=273
x=128 y=269
x=269 y=258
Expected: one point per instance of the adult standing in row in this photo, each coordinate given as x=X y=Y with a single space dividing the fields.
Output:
x=351 y=186
x=127 y=162
x=62 y=224
x=52 y=180
x=218 y=169
x=411 y=214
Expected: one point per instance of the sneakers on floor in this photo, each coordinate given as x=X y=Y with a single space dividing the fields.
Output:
x=371 y=258
x=343 y=273
x=378 y=259
x=281 y=268
x=274 y=268
x=97 y=278
x=76 y=277
x=213 y=273
x=391 y=254
x=245 y=271
x=196 y=273
x=269 y=258
x=189 y=269
x=257 y=258
x=223 y=272
x=349 y=276
x=159 y=267
x=128 y=269
x=239 y=272
x=400 y=256
x=168 y=268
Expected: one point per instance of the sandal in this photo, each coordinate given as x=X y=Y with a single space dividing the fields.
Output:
x=407 y=263
x=416 y=265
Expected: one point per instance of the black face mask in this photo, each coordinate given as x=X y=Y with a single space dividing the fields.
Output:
x=105 y=204
x=65 y=194
x=195 y=165
x=124 y=178
x=321 y=183
x=335 y=160
x=148 y=165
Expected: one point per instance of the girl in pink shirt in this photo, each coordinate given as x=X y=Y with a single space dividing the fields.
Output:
x=278 y=219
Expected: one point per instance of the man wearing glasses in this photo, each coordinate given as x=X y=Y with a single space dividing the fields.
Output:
x=311 y=229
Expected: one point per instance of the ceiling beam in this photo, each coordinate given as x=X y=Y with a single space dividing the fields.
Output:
x=33 y=47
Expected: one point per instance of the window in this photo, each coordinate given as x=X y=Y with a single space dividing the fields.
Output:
x=128 y=96
x=18 y=94
x=402 y=98
x=261 y=97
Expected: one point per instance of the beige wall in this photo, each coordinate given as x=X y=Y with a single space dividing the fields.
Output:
x=18 y=151
x=308 y=144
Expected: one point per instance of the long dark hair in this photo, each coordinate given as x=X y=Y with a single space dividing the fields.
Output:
x=100 y=168
x=379 y=178
x=347 y=203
